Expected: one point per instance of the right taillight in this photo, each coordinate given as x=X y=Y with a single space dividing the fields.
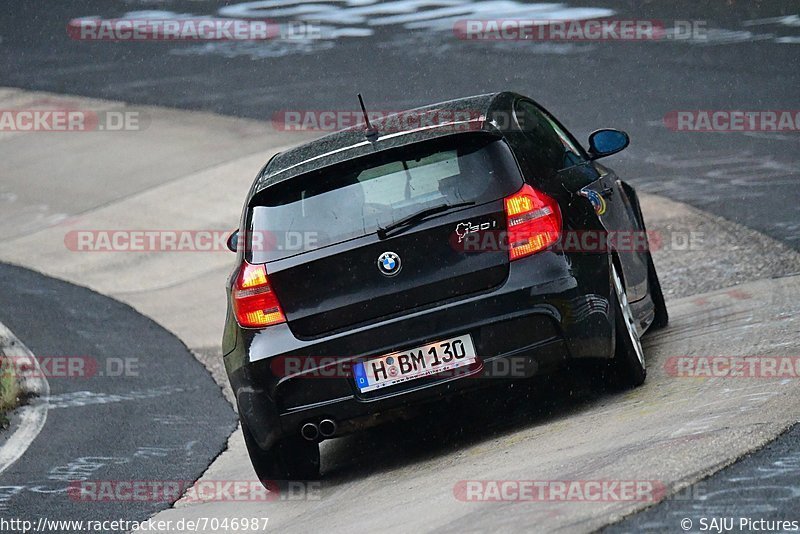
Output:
x=533 y=220
x=254 y=303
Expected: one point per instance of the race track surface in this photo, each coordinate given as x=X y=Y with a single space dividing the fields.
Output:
x=127 y=400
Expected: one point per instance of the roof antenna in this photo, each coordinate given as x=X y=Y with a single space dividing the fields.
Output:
x=370 y=133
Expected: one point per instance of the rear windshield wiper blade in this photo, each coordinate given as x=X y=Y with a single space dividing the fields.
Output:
x=383 y=232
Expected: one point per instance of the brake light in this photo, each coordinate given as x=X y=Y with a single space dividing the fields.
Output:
x=533 y=220
x=254 y=303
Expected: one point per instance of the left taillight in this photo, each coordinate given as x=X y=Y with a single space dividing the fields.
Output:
x=254 y=303
x=534 y=222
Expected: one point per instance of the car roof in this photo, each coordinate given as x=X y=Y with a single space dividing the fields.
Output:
x=400 y=129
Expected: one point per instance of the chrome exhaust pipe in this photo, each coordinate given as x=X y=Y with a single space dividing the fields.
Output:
x=309 y=431
x=327 y=427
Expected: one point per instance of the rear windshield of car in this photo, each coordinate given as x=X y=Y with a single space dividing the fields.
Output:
x=354 y=199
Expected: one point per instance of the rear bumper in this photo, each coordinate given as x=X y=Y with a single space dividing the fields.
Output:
x=519 y=329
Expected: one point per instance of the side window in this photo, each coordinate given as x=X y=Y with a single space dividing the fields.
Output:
x=552 y=146
x=573 y=153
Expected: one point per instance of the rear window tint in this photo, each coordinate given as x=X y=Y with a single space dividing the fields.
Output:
x=355 y=198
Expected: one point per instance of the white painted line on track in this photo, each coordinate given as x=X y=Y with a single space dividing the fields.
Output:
x=32 y=417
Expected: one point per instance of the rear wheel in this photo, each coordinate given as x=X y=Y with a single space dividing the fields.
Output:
x=292 y=458
x=628 y=364
x=661 y=317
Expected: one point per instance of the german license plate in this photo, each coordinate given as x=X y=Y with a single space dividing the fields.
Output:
x=402 y=366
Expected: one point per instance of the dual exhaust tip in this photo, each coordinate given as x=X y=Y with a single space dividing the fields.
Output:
x=312 y=431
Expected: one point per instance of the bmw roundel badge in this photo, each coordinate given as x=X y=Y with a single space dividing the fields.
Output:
x=389 y=263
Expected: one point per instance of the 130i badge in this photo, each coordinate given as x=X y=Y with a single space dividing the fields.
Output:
x=464 y=228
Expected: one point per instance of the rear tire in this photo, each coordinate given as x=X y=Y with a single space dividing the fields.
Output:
x=292 y=458
x=661 y=317
x=628 y=364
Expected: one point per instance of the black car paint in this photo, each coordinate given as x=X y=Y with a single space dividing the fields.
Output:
x=553 y=306
x=337 y=286
x=566 y=294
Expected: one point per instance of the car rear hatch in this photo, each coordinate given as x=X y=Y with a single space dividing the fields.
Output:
x=342 y=245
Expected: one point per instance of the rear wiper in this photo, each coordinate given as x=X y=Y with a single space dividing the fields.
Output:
x=383 y=232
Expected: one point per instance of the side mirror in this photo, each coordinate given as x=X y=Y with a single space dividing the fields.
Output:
x=233 y=241
x=607 y=141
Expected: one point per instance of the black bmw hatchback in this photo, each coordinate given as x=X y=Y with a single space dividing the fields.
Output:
x=447 y=248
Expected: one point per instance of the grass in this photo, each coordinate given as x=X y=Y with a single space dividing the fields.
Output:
x=9 y=391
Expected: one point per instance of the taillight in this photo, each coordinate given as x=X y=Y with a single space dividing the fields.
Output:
x=254 y=303
x=534 y=222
